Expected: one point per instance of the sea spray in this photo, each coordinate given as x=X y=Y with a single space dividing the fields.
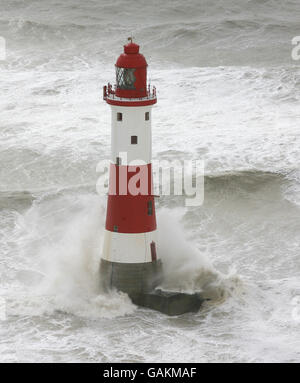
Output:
x=66 y=260
x=62 y=244
x=185 y=267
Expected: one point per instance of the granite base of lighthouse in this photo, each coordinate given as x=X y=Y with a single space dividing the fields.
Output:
x=140 y=281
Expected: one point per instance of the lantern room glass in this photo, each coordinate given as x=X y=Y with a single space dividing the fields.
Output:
x=125 y=78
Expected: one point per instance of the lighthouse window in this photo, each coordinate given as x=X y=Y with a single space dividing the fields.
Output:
x=147 y=116
x=115 y=228
x=149 y=206
x=119 y=117
x=118 y=161
x=134 y=140
x=125 y=78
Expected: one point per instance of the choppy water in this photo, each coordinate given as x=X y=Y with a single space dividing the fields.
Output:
x=228 y=94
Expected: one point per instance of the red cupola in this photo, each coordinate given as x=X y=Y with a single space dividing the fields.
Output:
x=131 y=73
x=131 y=80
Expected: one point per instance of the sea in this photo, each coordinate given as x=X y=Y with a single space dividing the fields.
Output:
x=228 y=88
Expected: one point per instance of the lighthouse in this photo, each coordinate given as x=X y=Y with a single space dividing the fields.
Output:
x=130 y=260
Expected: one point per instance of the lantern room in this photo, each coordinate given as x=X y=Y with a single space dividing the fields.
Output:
x=131 y=88
x=131 y=73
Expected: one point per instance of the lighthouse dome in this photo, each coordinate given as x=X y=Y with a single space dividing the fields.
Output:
x=131 y=48
x=131 y=58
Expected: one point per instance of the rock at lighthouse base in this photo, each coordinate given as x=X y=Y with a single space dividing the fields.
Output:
x=169 y=302
x=140 y=281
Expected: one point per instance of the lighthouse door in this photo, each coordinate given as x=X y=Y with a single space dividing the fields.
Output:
x=153 y=251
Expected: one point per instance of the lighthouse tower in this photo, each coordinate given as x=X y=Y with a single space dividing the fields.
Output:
x=130 y=259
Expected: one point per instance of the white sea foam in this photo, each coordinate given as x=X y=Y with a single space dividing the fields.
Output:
x=62 y=244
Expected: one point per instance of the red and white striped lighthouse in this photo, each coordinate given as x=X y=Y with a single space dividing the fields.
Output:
x=130 y=260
